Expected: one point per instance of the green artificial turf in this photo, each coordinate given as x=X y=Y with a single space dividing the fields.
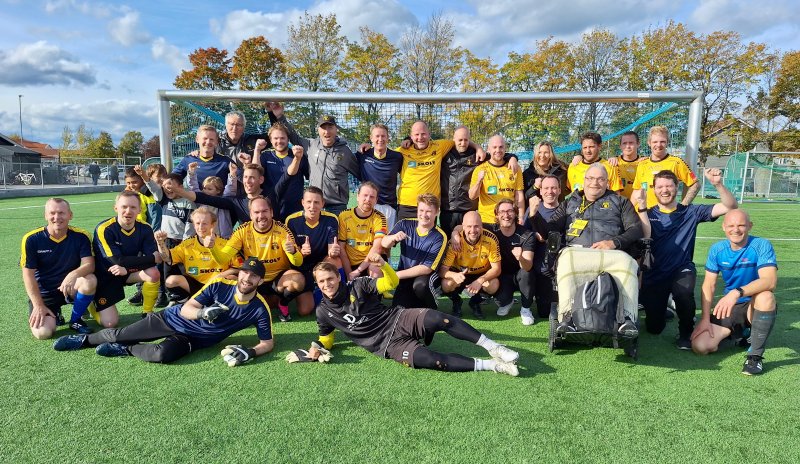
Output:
x=574 y=405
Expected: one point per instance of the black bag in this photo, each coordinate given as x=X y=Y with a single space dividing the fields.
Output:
x=596 y=305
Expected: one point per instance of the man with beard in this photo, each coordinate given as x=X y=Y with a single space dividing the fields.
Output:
x=516 y=251
x=381 y=165
x=540 y=213
x=673 y=228
x=238 y=206
x=220 y=309
x=361 y=230
x=284 y=174
x=591 y=143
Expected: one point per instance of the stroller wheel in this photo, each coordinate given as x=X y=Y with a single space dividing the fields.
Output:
x=632 y=350
x=552 y=339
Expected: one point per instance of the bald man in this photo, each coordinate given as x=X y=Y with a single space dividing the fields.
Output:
x=749 y=270
x=494 y=181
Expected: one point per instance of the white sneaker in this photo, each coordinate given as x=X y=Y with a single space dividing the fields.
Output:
x=527 y=316
x=504 y=354
x=504 y=310
x=506 y=368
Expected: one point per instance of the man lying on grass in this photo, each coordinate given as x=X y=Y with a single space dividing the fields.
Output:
x=220 y=309
x=397 y=333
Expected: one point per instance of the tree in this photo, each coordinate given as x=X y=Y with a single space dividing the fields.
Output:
x=211 y=70
x=313 y=51
x=480 y=75
x=83 y=137
x=101 y=147
x=784 y=98
x=130 y=148
x=257 y=65
x=430 y=62
x=596 y=70
x=152 y=148
x=368 y=66
x=67 y=139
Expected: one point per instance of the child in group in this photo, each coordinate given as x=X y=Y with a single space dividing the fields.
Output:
x=212 y=185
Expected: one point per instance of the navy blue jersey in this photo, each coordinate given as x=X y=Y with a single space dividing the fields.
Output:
x=673 y=237
x=740 y=267
x=319 y=236
x=382 y=171
x=538 y=224
x=54 y=259
x=521 y=237
x=240 y=316
x=217 y=165
x=111 y=241
x=417 y=249
x=283 y=190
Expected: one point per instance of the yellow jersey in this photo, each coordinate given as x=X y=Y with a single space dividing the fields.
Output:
x=358 y=234
x=499 y=182
x=648 y=168
x=198 y=260
x=477 y=258
x=627 y=174
x=266 y=246
x=577 y=172
x=421 y=171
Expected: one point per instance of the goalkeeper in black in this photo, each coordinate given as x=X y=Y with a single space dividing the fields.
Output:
x=220 y=309
x=398 y=333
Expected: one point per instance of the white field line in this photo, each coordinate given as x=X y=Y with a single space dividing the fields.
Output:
x=42 y=205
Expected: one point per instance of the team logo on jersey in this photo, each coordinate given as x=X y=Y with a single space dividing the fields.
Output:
x=352 y=298
x=102 y=301
x=192 y=270
x=605 y=205
x=351 y=242
x=492 y=190
x=412 y=164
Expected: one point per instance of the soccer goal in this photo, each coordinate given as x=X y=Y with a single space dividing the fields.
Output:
x=761 y=176
x=524 y=119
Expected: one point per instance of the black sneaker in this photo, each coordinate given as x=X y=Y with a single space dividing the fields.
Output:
x=284 y=317
x=628 y=329
x=475 y=306
x=753 y=365
x=60 y=319
x=69 y=342
x=136 y=299
x=80 y=327
x=162 y=300
x=684 y=343
x=456 y=305
x=111 y=350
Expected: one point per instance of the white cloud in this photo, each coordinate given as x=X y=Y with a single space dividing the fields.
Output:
x=242 y=24
x=170 y=54
x=126 y=29
x=388 y=17
x=743 y=16
x=41 y=63
x=94 y=9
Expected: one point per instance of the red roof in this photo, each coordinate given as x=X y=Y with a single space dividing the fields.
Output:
x=42 y=148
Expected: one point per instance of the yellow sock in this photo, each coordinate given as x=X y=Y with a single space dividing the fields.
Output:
x=93 y=312
x=149 y=296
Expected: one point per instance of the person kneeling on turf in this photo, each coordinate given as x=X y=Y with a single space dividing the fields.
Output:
x=222 y=308
x=398 y=333
x=750 y=272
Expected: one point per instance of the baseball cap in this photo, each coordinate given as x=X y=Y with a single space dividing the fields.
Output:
x=326 y=119
x=254 y=265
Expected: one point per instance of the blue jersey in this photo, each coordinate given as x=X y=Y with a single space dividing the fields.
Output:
x=417 y=249
x=111 y=241
x=319 y=236
x=382 y=171
x=240 y=316
x=740 y=267
x=285 y=191
x=217 y=165
x=54 y=259
x=673 y=237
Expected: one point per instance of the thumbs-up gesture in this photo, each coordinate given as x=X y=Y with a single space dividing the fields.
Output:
x=459 y=277
x=306 y=248
x=334 y=248
x=208 y=241
x=289 y=246
x=297 y=151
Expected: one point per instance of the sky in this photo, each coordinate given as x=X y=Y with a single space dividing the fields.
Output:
x=101 y=63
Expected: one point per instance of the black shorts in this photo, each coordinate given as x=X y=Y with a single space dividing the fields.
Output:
x=194 y=285
x=408 y=332
x=310 y=284
x=53 y=301
x=468 y=279
x=737 y=319
x=110 y=290
x=270 y=287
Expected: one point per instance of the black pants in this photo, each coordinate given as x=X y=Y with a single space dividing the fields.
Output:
x=654 y=296
x=153 y=327
x=545 y=294
x=415 y=293
x=521 y=280
x=448 y=220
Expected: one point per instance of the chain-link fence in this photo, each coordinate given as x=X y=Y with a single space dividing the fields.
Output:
x=48 y=174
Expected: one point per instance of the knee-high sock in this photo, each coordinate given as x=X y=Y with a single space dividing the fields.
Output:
x=79 y=307
x=149 y=296
x=760 y=328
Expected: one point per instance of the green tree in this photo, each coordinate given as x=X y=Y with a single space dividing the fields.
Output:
x=130 y=148
x=83 y=137
x=484 y=120
x=67 y=139
x=101 y=147
x=785 y=95
x=596 y=70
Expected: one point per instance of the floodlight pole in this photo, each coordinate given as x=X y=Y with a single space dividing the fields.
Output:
x=20 y=121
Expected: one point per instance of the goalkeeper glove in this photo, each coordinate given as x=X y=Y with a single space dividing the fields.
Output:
x=210 y=313
x=235 y=355
x=302 y=355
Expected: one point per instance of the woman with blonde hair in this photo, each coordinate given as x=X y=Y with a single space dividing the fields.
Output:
x=544 y=163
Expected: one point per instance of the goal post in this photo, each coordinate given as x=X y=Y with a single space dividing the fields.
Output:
x=523 y=118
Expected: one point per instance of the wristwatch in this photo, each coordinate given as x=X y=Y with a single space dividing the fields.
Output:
x=741 y=291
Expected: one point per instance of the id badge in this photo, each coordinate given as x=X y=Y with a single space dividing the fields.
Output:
x=577 y=227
